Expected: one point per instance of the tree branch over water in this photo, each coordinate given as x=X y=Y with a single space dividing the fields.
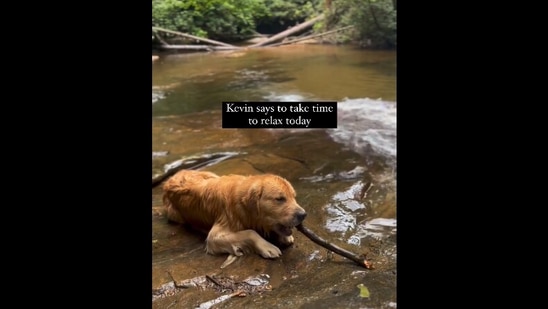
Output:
x=195 y=37
x=289 y=32
x=311 y=36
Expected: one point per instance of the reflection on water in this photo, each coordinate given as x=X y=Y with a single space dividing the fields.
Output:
x=316 y=72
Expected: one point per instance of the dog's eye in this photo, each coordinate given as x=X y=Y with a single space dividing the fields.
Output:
x=280 y=199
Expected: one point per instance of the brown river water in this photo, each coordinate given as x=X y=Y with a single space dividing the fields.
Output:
x=328 y=168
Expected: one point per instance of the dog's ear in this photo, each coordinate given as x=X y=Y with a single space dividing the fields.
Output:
x=252 y=196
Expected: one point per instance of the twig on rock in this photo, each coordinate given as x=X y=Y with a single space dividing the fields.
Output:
x=175 y=284
x=220 y=299
x=214 y=281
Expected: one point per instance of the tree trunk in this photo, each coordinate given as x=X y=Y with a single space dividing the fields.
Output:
x=311 y=36
x=198 y=47
x=194 y=37
x=289 y=32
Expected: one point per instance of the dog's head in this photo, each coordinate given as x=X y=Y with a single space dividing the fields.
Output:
x=274 y=201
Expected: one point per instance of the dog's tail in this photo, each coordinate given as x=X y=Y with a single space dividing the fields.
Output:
x=173 y=188
x=178 y=188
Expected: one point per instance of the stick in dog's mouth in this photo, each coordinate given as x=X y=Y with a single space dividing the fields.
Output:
x=284 y=230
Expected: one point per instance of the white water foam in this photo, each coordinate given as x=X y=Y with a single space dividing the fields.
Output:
x=157 y=95
x=362 y=124
x=366 y=123
x=273 y=97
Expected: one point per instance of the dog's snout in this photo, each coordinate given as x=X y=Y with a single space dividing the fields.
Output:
x=300 y=216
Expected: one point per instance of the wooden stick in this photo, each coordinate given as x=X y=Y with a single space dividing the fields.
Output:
x=214 y=281
x=364 y=190
x=177 y=286
x=220 y=299
x=360 y=260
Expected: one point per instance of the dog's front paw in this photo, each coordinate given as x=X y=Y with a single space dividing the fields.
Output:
x=268 y=250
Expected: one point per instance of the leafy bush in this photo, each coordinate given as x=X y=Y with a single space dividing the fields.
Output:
x=374 y=21
x=224 y=20
x=282 y=14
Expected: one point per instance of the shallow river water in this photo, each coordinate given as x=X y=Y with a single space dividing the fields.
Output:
x=329 y=168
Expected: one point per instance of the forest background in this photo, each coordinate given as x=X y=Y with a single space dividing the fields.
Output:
x=373 y=21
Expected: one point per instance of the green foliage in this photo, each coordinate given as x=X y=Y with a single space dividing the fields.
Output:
x=290 y=10
x=229 y=20
x=216 y=19
x=374 y=21
x=282 y=14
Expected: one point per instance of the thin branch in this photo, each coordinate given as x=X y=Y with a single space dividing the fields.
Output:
x=160 y=38
x=358 y=259
x=364 y=190
x=374 y=17
x=220 y=299
x=253 y=166
x=208 y=277
x=175 y=284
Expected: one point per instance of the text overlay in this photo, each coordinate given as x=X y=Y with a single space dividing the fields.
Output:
x=294 y=115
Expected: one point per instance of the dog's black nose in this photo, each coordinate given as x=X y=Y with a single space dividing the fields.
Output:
x=301 y=216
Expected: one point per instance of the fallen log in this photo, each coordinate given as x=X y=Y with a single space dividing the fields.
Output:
x=194 y=37
x=288 y=32
x=188 y=47
x=160 y=38
x=198 y=47
x=358 y=259
x=311 y=36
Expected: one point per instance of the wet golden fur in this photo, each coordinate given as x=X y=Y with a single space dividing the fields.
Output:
x=236 y=211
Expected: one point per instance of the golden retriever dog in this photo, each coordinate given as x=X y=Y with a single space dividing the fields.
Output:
x=235 y=211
